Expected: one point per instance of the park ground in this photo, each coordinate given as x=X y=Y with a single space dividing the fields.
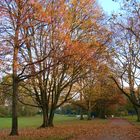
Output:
x=70 y=128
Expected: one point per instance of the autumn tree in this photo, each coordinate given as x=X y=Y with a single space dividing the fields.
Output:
x=49 y=45
x=100 y=93
x=126 y=46
x=15 y=15
x=71 y=37
x=12 y=18
x=107 y=94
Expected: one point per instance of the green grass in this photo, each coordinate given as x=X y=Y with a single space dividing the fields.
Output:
x=35 y=121
x=132 y=119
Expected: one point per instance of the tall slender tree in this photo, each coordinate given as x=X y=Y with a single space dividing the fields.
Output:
x=126 y=45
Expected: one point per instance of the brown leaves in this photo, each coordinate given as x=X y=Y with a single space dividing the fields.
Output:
x=82 y=130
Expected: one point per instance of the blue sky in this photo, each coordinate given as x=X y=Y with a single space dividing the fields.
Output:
x=109 y=6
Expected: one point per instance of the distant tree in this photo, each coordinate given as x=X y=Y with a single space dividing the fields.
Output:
x=6 y=98
x=6 y=89
x=100 y=93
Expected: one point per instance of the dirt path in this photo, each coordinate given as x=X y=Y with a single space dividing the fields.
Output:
x=115 y=129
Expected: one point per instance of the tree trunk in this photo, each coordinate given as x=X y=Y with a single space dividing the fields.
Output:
x=51 y=117
x=47 y=121
x=81 y=114
x=45 y=118
x=137 y=112
x=81 y=110
x=102 y=113
x=14 y=130
x=89 y=113
x=138 y=115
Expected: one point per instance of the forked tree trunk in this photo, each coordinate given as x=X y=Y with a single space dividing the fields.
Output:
x=45 y=118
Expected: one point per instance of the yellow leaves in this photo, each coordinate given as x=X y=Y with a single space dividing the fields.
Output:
x=86 y=23
x=74 y=2
x=74 y=28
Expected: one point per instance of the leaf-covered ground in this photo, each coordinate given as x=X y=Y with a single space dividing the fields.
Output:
x=114 y=129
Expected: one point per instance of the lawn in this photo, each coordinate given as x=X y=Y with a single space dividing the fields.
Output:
x=69 y=128
x=35 y=121
x=132 y=119
x=66 y=128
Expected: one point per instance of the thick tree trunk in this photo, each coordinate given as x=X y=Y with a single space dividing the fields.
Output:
x=45 y=118
x=51 y=117
x=47 y=121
